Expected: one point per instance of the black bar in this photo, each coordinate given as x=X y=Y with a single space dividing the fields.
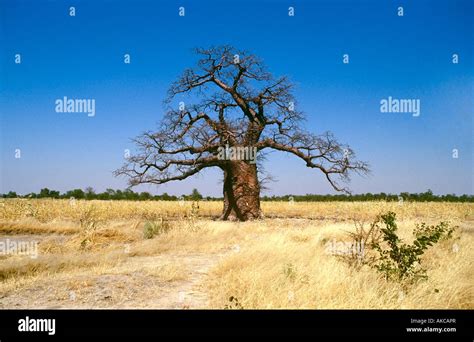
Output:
x=244 y=322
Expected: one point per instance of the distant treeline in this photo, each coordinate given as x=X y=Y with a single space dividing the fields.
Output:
x=108 y=194
x=111 y=194
x=404 y=196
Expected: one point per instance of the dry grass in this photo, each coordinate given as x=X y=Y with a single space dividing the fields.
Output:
x=58 y=212
x=291 y=268
x=279 y=262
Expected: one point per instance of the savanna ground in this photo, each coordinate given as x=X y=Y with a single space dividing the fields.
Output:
x=94 y=254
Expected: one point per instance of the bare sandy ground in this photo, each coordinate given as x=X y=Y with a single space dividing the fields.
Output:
x=120 y=287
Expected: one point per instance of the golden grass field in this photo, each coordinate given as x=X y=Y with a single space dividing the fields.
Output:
x=93 y=254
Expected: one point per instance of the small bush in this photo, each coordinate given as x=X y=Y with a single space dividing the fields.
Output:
x=89 y=221
x=399 y=261
x=89 y=218
x=193 y=216
x=290 y=271
x=362 y=238
x=233 y=304
x=153 y=228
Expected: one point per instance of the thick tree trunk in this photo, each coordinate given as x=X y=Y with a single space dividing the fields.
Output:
x=241 y=192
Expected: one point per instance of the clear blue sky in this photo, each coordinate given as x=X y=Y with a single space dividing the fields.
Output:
x=82 y=57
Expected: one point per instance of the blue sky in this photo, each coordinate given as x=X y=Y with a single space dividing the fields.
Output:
x=82 y=57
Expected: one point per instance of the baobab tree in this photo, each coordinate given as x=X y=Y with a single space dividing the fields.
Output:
x=230 y=102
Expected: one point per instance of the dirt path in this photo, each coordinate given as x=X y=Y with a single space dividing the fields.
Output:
x=136 y=283
x=190 y=292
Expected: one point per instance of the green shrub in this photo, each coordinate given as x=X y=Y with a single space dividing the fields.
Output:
x=399 y=261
